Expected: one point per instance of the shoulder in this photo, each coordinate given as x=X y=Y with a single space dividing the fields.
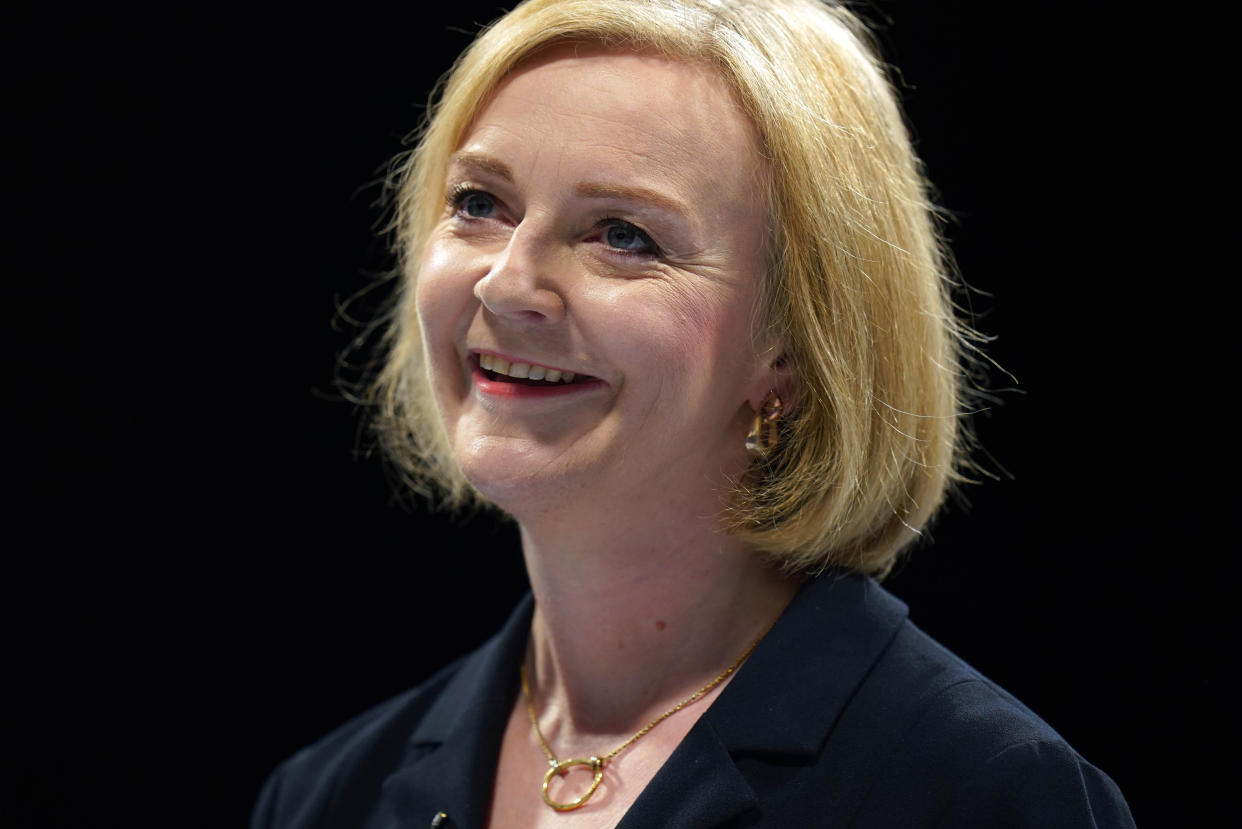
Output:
x=349 y=765
x=964 y=752
x=849 y=715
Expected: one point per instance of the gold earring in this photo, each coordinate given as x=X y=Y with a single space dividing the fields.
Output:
x=764 y=435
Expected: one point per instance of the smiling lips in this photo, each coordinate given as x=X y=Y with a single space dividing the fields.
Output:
x=523 y=371
x=499 y=377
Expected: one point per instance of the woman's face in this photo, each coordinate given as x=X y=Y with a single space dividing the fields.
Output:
x=605 y=217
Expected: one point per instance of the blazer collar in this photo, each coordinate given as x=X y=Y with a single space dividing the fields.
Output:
x=784 y=700
x=791 y=691
x=450 y=761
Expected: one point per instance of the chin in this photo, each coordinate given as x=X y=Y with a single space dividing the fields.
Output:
x=512 y=472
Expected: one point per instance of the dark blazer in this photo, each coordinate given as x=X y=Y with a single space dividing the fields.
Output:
x=845 y=715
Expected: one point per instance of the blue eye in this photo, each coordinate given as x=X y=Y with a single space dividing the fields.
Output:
x=624 y=236
x=473 y=204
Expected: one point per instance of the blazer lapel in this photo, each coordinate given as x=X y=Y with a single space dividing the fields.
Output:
x=778 y=711
x=699 y=785
x=788 y=696
x=450 y=762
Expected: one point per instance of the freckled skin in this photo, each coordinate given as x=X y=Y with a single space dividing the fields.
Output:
x=534 y=275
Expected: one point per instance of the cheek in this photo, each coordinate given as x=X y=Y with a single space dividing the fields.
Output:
x=443 y=296
x=433 y=288
x=444 y=302
x=704 y=329
x=692 y=342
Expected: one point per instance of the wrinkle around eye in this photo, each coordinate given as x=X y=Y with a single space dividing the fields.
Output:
x=608 y=263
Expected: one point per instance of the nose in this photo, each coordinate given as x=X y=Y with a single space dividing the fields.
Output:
x=521 y=285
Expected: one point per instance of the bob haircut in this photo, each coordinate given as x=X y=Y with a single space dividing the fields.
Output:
x=857 y=284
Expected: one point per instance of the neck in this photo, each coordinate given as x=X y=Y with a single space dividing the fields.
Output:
x=634 y=615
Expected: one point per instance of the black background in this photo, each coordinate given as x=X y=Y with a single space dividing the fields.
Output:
x=206 y=567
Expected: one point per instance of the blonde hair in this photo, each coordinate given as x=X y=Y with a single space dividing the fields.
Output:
x=858 y=284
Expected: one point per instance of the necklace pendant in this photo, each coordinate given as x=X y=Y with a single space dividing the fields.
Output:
x=561 y=768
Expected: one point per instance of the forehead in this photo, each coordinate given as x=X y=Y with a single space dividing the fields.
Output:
x=622 y=113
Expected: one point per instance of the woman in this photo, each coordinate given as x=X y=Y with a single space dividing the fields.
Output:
x=674 y=301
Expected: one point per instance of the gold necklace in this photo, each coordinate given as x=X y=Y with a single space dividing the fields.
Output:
x=595 y=763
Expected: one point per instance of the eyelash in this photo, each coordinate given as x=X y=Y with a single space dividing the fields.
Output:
x=460 y=192
x=604 y=224
x=457 y=196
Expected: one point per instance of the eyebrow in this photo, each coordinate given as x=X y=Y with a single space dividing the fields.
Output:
x=481 y=163
x=618 y=192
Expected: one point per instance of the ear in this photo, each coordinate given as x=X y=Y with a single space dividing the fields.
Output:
x=774 y=376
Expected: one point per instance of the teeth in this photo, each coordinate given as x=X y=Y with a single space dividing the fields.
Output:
x=490 y=362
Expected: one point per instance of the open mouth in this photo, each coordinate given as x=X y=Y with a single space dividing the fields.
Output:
x=499 y=370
